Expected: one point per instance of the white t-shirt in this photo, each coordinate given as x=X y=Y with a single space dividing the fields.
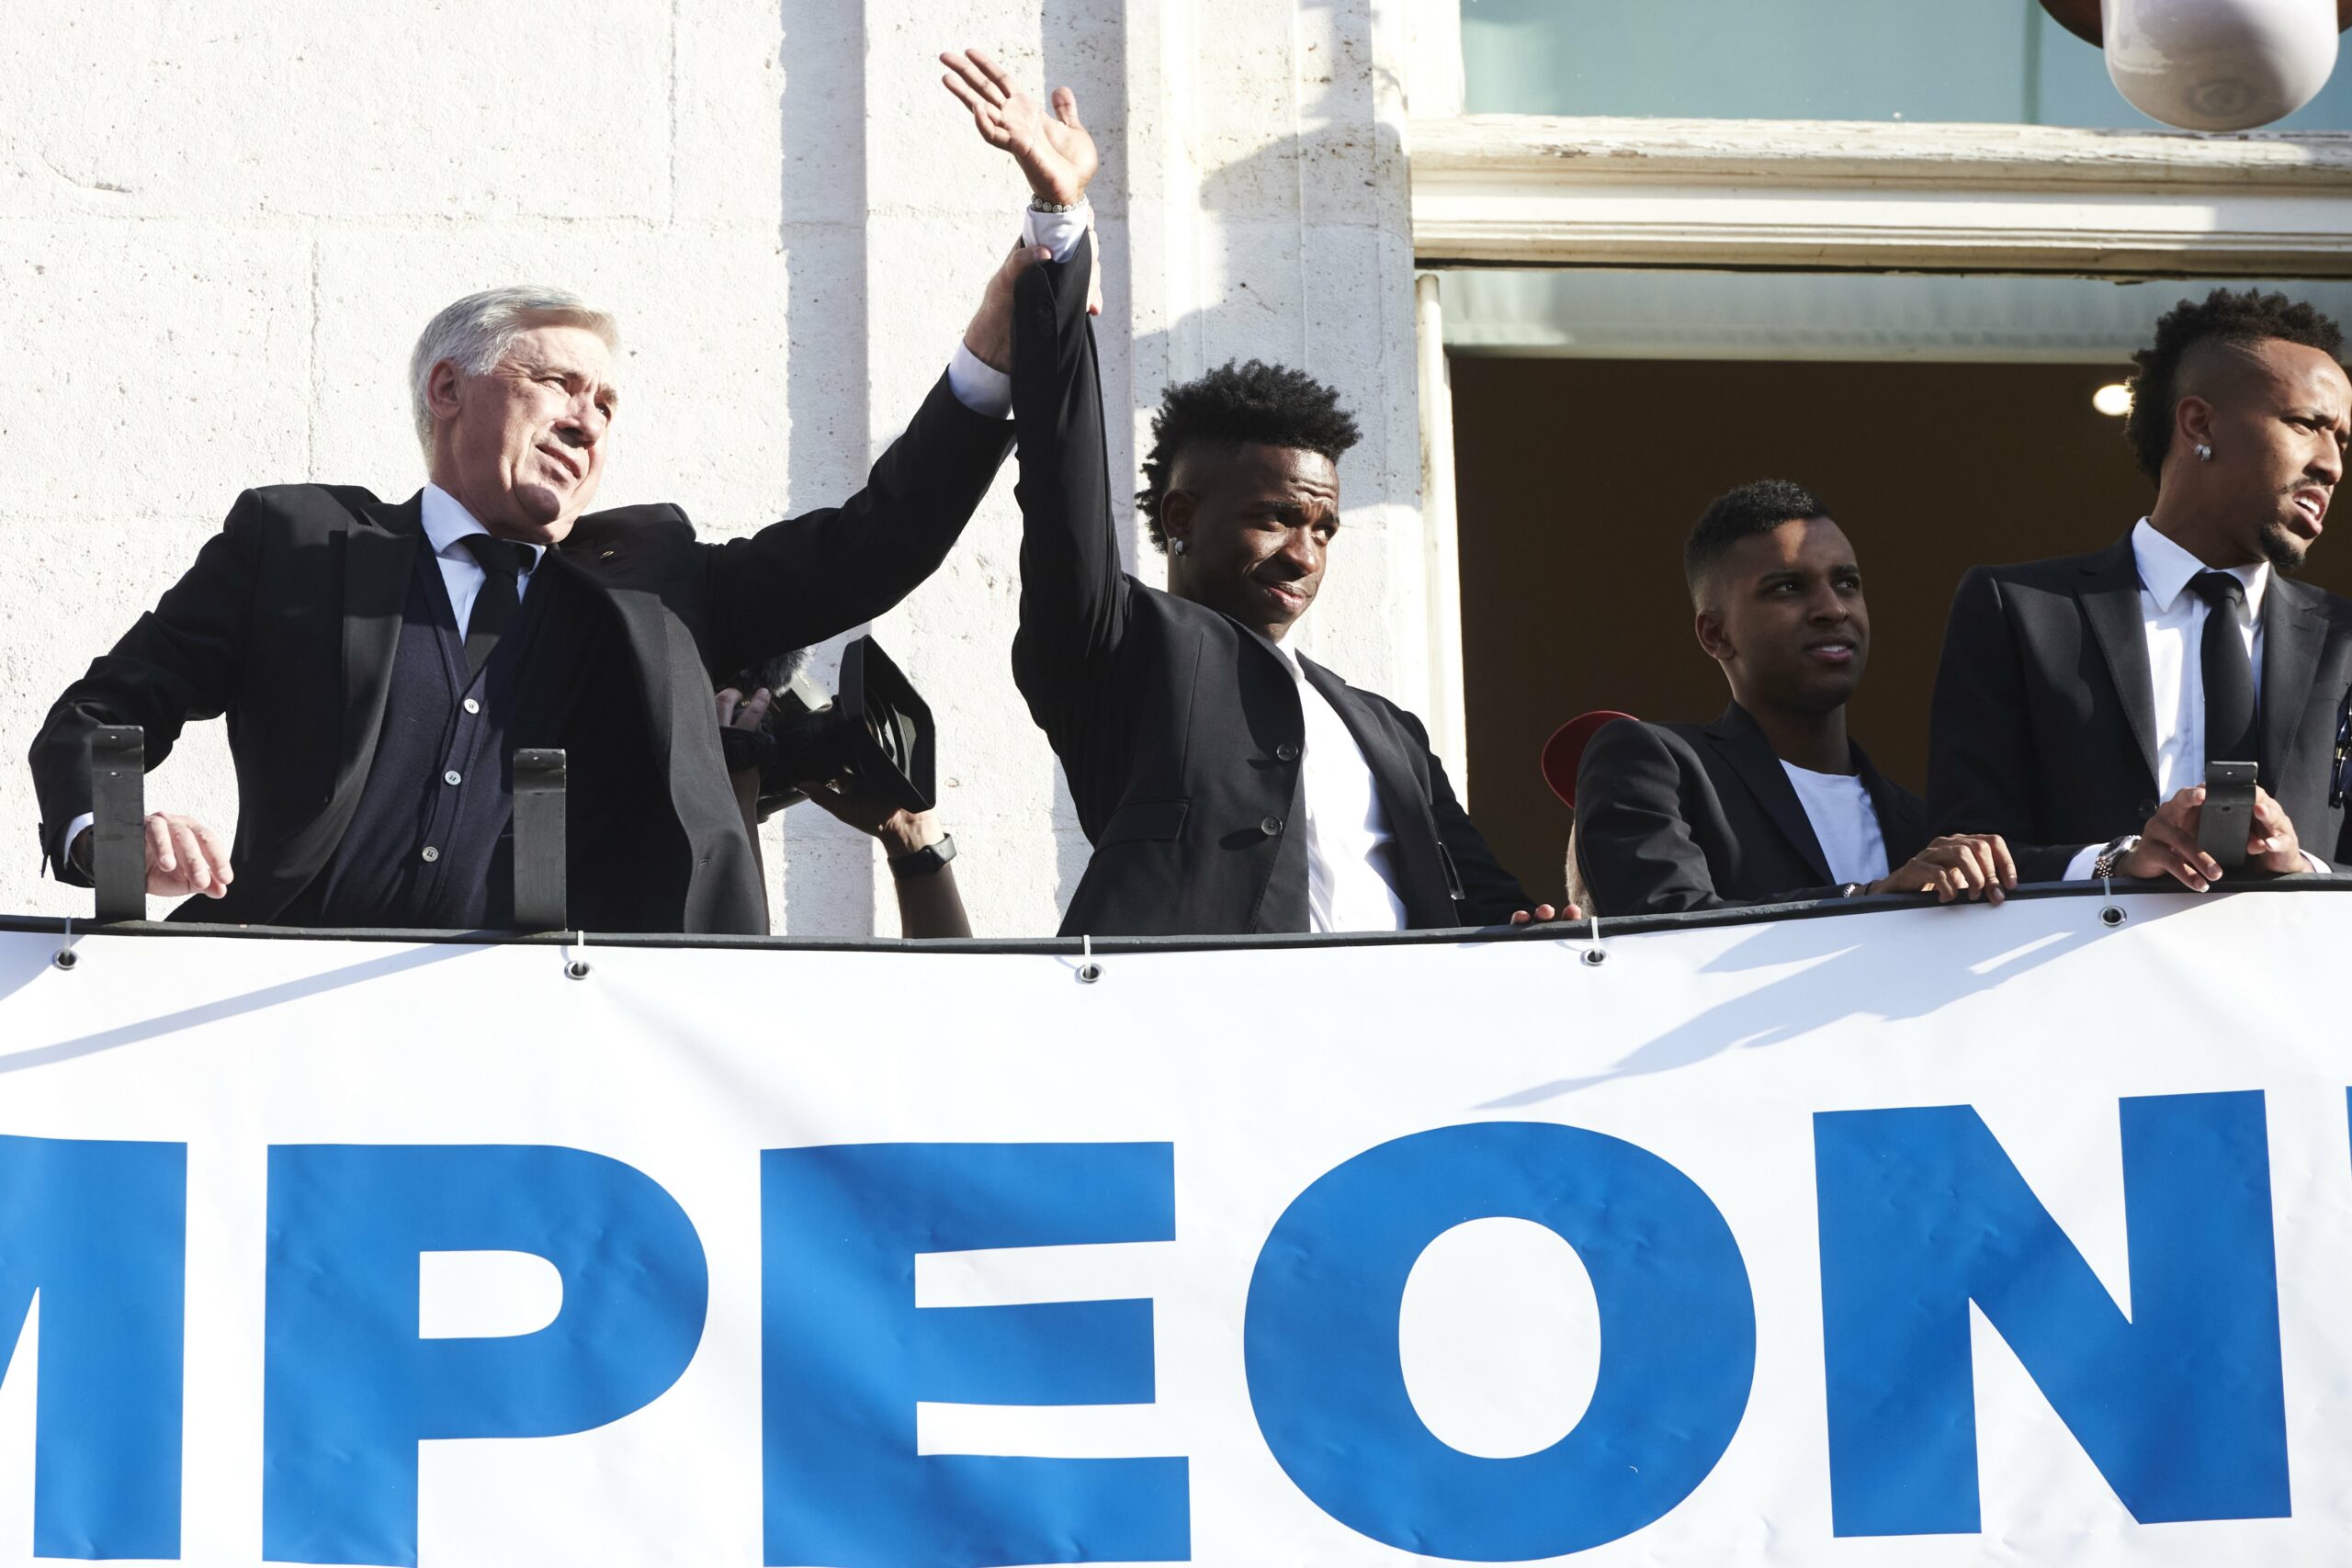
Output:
x=1843 y=820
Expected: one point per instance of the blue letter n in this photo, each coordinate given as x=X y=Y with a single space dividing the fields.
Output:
x=2181 y=1406
x=100 y=1231
x=847 y=1356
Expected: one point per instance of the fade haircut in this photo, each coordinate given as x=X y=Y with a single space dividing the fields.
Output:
x=2235 y=322
x=1235 y=405
x=474 y=333
x=1742 y=513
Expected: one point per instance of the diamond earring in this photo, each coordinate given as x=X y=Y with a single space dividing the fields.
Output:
x=2204 y=453
x=1178 y=545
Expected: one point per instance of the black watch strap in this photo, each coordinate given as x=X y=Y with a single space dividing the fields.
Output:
x=924 y=861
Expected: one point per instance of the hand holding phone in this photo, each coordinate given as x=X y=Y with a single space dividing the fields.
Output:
x=2226 y=822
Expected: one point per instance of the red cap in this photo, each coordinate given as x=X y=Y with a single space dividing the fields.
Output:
x=1565 y=750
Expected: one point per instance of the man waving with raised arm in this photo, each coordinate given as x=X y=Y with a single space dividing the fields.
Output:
x=1228 y=784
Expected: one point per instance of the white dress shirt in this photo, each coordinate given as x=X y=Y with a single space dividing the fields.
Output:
x=2172 y=620
x=446 y=523
x=1349 y=884
x=1845 y=822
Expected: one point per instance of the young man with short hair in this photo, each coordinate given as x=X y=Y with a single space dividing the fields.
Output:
x=1228 y=784
x=1772 y=801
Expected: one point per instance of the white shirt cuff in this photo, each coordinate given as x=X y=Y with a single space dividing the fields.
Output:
x=1057 y=231
x=72 y=832
x=2079 y=868
x=984 y=389
x=2317 y=864
x=989 y=392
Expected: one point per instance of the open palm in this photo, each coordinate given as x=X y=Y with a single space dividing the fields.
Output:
x=1053 y=149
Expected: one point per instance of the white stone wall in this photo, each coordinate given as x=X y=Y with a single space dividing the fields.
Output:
x=223 y=222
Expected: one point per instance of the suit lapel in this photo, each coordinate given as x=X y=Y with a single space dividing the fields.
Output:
x=378 y=554
x=2294 y=630
x=1404 y=793
x=2110 y=601
x=1742 y=745
x=658 y=645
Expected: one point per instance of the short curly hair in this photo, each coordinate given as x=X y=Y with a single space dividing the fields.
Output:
x=1234 y=405
x=1742 y=513
x=2231 y=320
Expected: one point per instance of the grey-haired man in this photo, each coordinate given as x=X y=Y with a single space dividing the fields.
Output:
x=379 y=662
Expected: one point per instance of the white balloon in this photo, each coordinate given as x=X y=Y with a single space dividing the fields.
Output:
x=2219 y=64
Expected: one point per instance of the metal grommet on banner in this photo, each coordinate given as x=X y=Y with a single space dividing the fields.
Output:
x=2114 y=914
x=1087 y=970
x=577 y=968
x=1596 y=954
x=64 y=957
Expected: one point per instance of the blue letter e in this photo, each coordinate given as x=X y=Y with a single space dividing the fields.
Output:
x=847 y=1354
x=2182 y=1407
x=350 y=1387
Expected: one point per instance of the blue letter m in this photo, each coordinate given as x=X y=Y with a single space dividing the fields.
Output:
x=100 y=1231
x=2181 y=1406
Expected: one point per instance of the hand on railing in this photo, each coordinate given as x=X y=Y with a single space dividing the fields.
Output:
x=1958 y=865
x=184 y=856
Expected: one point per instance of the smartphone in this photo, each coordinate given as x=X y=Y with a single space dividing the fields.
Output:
x=2227 y=820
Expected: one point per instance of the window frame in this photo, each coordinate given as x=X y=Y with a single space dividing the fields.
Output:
x=1530 y=190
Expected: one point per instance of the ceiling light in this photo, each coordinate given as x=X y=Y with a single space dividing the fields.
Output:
x=2114 y=399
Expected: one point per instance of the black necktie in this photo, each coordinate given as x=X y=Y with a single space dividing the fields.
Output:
x=2230 y=732
x=502 y=563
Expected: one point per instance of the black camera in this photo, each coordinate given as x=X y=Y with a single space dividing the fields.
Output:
x=873 y=738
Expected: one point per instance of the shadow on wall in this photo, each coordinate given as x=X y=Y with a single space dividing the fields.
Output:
x=822 y=167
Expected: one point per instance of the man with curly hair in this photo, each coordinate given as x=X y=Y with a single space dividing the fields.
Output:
x=2080 y=701
x=1228 y=784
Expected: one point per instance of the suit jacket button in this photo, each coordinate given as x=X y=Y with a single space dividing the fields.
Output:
x=2147 y=809
x=1271 y=827
x=1286 y=753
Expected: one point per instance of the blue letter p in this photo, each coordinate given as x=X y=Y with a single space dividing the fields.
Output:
x=351 y=1388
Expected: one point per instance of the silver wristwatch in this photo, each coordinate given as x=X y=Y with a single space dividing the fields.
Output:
x=2109 y=857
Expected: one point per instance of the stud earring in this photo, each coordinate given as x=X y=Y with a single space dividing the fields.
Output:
x=1178 y=545
x=2204 y=453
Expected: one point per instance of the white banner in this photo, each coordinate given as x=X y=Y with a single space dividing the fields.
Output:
x=1924 y=1236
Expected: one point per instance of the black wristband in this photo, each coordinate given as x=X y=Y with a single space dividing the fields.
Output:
x=924 y=861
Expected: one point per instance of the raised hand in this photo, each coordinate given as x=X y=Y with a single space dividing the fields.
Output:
x=1055 y=152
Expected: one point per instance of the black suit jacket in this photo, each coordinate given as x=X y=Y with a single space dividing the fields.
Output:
x=1675 y=817
x=2043 y=729
x=287 y=621
x=1180 y=730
